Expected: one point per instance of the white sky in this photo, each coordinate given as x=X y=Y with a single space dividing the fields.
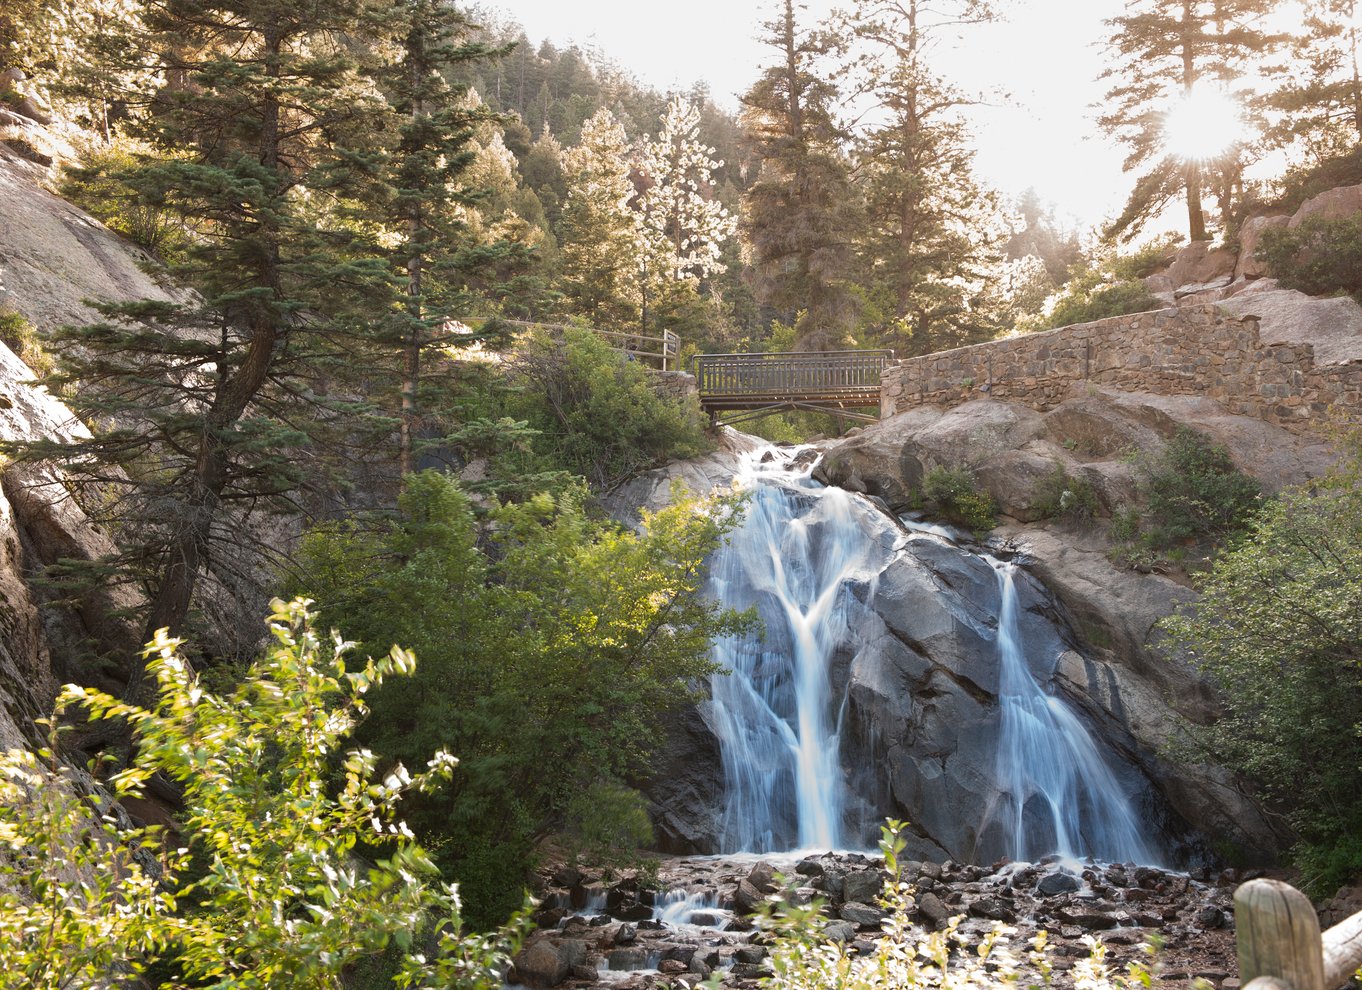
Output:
x=1046 y=55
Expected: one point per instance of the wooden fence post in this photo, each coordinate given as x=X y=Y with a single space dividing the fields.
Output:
x=1278 y=935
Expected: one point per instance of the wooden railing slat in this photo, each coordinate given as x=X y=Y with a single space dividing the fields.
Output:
x=1278 y=935
x=1343 y=951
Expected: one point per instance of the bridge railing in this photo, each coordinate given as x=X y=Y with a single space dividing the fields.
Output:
x=785 y=373
x=1280 y=944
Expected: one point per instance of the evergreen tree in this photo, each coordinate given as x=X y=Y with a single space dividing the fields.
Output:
x=798 y=214
x=932 y=232
x=1162 y=51
x=599 y=234
x=432 y=188
x=1320 y=97
x=201 y=404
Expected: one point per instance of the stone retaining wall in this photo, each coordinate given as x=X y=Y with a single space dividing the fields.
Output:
x=1193 y=350
x=674 y=384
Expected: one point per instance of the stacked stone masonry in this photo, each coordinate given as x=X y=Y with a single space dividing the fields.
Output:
x=1193 y=350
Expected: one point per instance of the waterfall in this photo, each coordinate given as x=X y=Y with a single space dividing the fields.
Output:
x=795 y=557
x=775 y=713
x=1055 y=794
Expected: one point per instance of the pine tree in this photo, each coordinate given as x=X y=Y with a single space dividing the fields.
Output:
x=599 y=234
x=205 y=406
x=1319 y=98
x=799 y=214
x=932 y=231
x=1162 y=51
x=433 y=188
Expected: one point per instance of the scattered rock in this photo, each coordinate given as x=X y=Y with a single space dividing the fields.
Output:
x=1053 y=884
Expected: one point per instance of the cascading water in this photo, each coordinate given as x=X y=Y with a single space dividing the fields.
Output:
x=1055 y=792
x=776 y=717
x=795 y=557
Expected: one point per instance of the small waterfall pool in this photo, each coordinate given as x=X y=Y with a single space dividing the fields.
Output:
x=797 y=557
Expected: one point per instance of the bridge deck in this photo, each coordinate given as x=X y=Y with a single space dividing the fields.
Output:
x=826 y=380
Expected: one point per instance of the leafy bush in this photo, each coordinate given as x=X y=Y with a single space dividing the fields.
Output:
x=596 y=411
x=18 y=335
x=1085 y=302
x=1278 y=629
x=98 y=185
x=269 y=891
x=1320 y=257
x=953 y=495
x=1194 y=491
x=550 y=648
x=1193 y=495
x=1069 y=499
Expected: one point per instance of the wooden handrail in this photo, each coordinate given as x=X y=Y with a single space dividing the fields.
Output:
x=1280 y=944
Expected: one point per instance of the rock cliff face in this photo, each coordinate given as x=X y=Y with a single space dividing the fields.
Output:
x=40 y=523
x=919 y=670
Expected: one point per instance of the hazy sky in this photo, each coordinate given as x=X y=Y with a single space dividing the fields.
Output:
x=1043 y=54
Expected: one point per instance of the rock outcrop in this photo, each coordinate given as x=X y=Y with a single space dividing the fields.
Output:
x=54 y=256
x=40 y=523
x=919 y=669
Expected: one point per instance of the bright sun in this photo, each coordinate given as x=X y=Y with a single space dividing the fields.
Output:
x=1203 y=125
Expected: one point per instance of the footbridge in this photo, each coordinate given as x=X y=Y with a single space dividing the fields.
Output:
x=752 y=385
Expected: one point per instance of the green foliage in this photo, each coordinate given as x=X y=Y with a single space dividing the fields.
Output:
x=1194 y=490
x=1069 y=499
x=1192 y=495
x=953 y=495
x=76 y=897
x=1278 y=629
x=611 y=822
x=96 y=186
x=1319 y=256
x=550 y=647
x=1109 y=288
x=274 y=816
x=596 y=411
x=18 y=335
x=902 y=957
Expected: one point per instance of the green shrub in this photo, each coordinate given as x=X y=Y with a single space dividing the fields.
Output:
x=597 y=412
x=1066 y=498
x=1278 y=630
x=1195 y=492
x=953 y=495
x=1320 y=257
x=97 y=185
x=1192 y=495
x=269 y=888
x=1087 y=303
x=19 y=335
x=551 y=646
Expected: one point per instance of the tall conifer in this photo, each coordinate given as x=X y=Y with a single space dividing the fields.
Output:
x=799 y=214
x=199 y=408
x=1162 y=51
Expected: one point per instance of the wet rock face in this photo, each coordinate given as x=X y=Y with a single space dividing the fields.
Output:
x=702 y=916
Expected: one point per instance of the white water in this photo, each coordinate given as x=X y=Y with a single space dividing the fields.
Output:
x=1056 y=794
x=776 y=717
x=778 y=724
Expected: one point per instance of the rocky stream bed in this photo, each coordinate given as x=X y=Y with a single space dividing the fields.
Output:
x=697 y=919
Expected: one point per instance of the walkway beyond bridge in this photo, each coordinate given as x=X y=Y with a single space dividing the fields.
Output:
x=835 y=382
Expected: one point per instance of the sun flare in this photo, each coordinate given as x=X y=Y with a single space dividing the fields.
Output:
x=1202 y=125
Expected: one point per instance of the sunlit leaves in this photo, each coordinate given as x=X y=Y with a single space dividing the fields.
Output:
x=277 y=896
